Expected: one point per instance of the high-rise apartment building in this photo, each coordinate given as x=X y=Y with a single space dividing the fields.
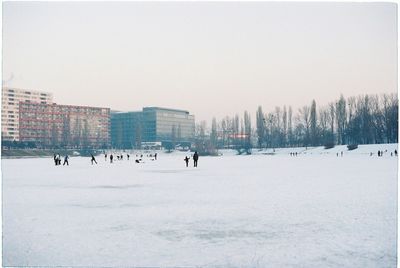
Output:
x=64 y=125
x=11 y=97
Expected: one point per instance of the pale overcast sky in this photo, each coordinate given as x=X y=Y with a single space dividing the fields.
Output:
x=211 y=58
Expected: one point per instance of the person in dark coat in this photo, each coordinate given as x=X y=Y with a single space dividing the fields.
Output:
x=111 y=158
x=379 y=153
x=195 y=158
x=55 y=159
x=186 y=160
x=127 y=155
x=155 y=156
x=93 y=159
x=105 y=157
x=395 y=152
x=66 y=160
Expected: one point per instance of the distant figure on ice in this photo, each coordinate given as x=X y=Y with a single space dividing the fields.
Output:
x=117 y=157
x=55 y=159
x=111 y=158
x=121 y=157
x=127 y=155
x=105 y=157
x=341 y=153
x=370 y=154
x=93 y=159
x=66 y=160
x=379 y=153
x=186 y=160
x=195 y=158
x=58 y=160
x=395 y=152
x=155 y=156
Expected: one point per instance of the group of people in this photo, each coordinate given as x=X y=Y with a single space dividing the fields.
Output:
x=293 y=154
x=380 y=153
x=121 y=157
x=57 y=160
x=195 y=159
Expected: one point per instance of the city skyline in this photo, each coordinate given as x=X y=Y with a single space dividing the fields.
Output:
x=213 y=59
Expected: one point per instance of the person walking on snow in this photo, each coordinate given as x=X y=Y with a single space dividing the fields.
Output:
x=66 y=160
x=195 y=158
x=186 y=160
x=93 y=159
x=111 y=158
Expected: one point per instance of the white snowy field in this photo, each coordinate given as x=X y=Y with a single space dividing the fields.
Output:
x=313 y=210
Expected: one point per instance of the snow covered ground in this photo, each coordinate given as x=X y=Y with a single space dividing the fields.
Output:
x=313 y=210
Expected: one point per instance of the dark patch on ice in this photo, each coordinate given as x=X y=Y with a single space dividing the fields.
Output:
x=121 y=227
x=233 y=234
x=107 y=206
x=129 y=206
x=89 y=206
x=116 y=186
x=216 y=235
x=171 y=235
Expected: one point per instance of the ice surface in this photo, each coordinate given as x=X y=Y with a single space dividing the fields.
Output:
x=314 y=210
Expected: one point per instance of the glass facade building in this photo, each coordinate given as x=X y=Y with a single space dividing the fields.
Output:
x=126 y=129
x=155 y=125
x=167 y=125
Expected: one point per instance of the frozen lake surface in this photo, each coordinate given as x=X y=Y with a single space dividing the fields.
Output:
x=313 y=210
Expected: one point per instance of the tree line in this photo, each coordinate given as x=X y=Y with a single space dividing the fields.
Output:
x=364 y=119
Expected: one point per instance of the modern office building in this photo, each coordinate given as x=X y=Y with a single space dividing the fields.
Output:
x=64 y=125
x=11 y=97
x=168 y=126
x=126 y=130
x=153 y=126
